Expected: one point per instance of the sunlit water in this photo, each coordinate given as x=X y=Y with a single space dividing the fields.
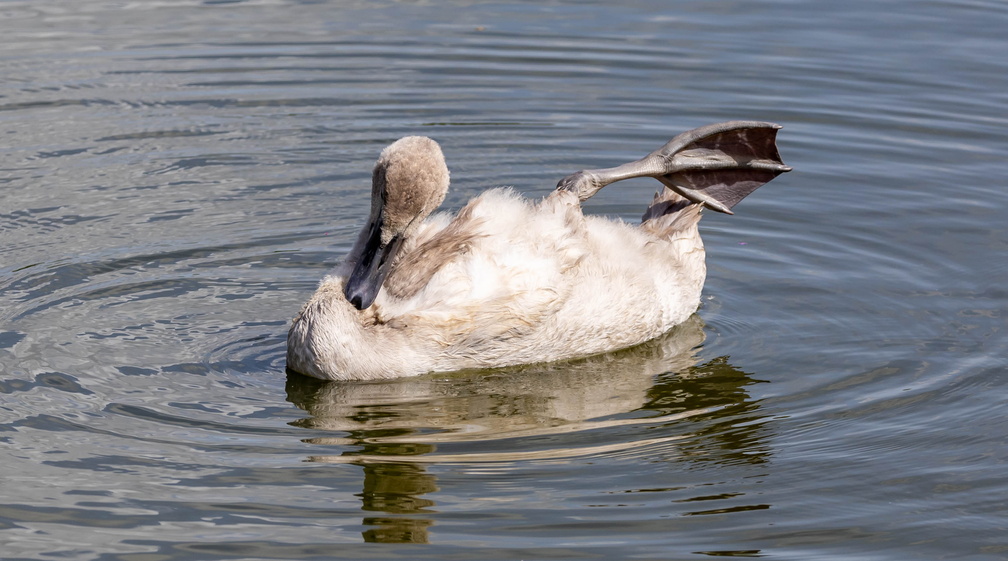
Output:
x=176 y=176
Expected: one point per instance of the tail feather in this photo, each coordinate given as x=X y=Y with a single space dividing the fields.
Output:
x=670 y=213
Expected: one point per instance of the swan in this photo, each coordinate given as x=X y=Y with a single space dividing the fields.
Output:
x=509 y=281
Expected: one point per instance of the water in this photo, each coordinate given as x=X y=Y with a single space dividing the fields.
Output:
x=176 y=176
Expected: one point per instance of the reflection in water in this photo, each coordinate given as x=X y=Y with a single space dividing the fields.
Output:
x=396 y=489
x=650 y=400
x=733 y=431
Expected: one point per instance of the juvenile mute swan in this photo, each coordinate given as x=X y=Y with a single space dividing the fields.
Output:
x=508 y=281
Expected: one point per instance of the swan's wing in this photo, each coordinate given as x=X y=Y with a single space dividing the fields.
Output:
x=437 y=247
x=717 y=165
x=490 y=277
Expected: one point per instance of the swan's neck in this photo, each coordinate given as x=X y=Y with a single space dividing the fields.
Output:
x=331 y=337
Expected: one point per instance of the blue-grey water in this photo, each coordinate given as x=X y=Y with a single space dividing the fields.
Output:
x=175 y=177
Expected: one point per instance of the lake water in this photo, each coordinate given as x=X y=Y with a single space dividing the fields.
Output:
x=175 y=177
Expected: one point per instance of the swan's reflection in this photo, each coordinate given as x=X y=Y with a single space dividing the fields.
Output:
x=396 y=490
x=610 y=404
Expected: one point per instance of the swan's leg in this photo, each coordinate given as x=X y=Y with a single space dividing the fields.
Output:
x=717 y=165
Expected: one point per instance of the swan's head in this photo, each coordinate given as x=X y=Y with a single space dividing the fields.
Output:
x=409 y=182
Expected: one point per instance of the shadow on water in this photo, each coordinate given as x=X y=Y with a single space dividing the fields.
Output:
x=653 y=402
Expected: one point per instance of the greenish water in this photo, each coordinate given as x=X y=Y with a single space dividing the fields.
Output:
x=176 y=177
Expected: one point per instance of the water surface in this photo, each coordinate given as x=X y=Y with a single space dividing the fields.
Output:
x=176 y=177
